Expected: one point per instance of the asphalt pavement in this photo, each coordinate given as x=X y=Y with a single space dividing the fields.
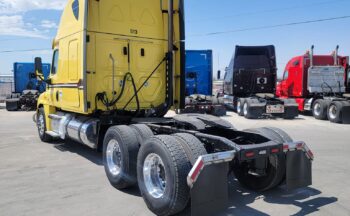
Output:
x=65 y=178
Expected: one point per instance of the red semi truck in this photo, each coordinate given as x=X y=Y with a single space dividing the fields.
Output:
x=320 y=84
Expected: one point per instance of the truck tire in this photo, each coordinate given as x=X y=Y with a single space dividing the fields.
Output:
x=276 y=169
x=41 y=125
x=192 y=146
x=272 y=133
x=319 y=109
x=162 y=169
x=239 y=106
x=249 y=114
x=334 y=112
x=143 y=132
x=120 y=149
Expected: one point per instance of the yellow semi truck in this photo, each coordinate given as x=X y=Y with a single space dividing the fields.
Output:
x=117 y=69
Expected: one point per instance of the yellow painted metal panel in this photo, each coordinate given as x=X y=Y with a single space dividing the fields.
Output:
x=73 y=72
x=131 y=18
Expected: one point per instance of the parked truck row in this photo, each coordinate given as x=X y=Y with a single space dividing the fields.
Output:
x=118 y=68
x=316 y=83
x=250 y=84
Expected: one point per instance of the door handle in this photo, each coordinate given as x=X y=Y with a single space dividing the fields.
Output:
x=125 y=50
x=57 y=95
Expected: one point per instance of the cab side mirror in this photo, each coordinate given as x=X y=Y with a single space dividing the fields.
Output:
x=219 y=74
x=38 y=66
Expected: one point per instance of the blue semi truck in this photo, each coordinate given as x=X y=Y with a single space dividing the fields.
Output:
x=199 y=72
x=25 y=78
x=27 y=87
x=199 y=84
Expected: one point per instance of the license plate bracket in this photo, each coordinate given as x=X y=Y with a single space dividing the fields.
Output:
x=271 y=109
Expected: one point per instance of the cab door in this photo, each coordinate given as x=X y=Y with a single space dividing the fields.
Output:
x=66 y=78
x=284 y=84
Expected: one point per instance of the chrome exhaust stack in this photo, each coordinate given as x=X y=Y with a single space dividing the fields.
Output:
x=335 y=55
x=312 y=56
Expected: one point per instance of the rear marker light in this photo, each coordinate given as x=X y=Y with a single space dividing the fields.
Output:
x=275 y=150
x=249 y=154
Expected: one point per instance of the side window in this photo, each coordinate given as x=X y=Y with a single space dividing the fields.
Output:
x=75 y=9
x=296 y=63
x=54 y=68
x=285 y=75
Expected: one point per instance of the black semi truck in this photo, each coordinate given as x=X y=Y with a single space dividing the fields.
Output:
x=250 y=84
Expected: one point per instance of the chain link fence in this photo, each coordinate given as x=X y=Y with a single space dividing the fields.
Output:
x=6 y=86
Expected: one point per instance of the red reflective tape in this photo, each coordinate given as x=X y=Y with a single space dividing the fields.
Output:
x=300 y=145
x=249 y=154
x=197 y=170
x=276 y=150
x=310 y=154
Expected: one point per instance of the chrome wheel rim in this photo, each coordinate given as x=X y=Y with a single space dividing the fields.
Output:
x=333 y=112
x=41 y=124
x=154 y=175
x=317 y=109
x=114 y=157
x=239 y=106
x=245 y=109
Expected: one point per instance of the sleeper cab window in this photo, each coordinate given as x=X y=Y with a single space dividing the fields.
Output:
x=75 y=9
x=285 y=76
x=296 y=63
x=55 y=62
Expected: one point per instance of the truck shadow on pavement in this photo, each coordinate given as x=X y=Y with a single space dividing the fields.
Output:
x=81 y=150
x=307 y=199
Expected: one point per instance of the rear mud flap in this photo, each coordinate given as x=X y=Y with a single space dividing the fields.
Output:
x=298 y=173
x=257 y=109
x=346 y=114
x=291 y=111
x=12 y=104
x=209 y=195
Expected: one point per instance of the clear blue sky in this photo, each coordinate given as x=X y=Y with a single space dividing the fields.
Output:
x=22 y=18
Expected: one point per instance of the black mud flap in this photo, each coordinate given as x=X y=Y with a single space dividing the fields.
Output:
x=209 y=195
x=298 y=173
x=12 y=104
x=346 y=114
x=218 y=110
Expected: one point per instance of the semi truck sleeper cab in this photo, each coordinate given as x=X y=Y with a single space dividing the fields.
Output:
x=319 y=83
x=250 y=84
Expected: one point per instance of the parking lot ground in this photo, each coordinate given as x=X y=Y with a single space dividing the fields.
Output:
x=66 y=178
